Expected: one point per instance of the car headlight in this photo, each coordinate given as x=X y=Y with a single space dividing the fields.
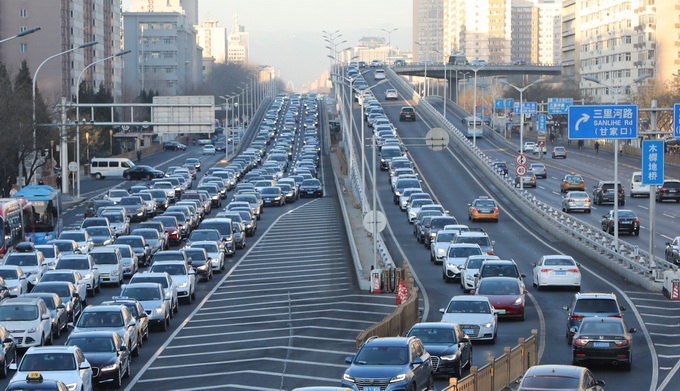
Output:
x=114 y=272
x=348 y=378
x=111 y=367
x=441 y=251
x=398 y=378
x=488 y=325
x=452 y=266
x=15 y=288
x=518 y=301
x=183 y=285
x=72 y=386
x=33 y=330
x=450 y=357
x=158 y=310
x=277 y=198
x=469 y=277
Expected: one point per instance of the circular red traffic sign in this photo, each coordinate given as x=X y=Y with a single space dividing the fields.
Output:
x=521 y=159
x=521 y=170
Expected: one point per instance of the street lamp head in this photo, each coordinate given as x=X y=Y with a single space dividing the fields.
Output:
x=592 y=78
x=88 y=44
x=29 y=31
x=643 y=77
x=122 y=53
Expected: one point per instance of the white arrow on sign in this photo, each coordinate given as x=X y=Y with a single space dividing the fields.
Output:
x=584 y=118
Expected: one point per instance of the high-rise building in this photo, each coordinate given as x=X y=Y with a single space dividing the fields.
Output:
x=65 y=25
x=238 y=44
x=618 y=41
x=187 y=7
x=428 y=30
x=213 y=39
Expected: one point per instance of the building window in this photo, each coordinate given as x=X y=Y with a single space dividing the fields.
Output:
x=23 y=28
x=23 y=48
x=23 y=12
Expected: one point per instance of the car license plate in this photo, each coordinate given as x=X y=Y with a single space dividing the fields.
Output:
x=500 y=312
x=600 y=344
x=559 y=273
x=485 y=211
x=625 y=222
x=371 y=388
x=267 y=201
x=469 y=331
x=310 y=192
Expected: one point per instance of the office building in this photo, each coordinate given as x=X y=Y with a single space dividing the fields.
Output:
x=428 y=30
x=238 y=44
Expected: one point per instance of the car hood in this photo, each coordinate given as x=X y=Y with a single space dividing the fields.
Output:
x=67 y=377
x=502 y=300
x=376 y=371
x=107 y=268
x=465 y=318
x=19 y=325
x=100 y=239
x=441 y=349
x=101 y=359
x=150 y=305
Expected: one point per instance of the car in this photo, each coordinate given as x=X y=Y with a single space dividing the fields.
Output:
x=220 y=146
x=669 y=190
x=68 y=293
x=139 y=245
x=214 y=252
x=57 y=309
x=109 y=261
x=436 y=224
x=196 y=162
x=200 y=262
x=14 y=279
x=483 y=208
x=35 y=381
x=604 y=192
x=628 y=222
x=560 y=152
x=115 y=195
x=456 y=255
x=118 y=220
x=586 y=305
x=450 y=350
x=105 y=350
x=85 y=265
x=414 y=207
x=391 y=93
x=183 y=277
x=62 y=363
x=476 y=236
x=475 y=315
x=81 y=237
x=672 y=251
x=572 y=182
x=539 y=169
x=506 y=294
x=603 y=340
x=142 y=172
x=31 y=261
x=528 y=146
x=174 y=146
x=311 y=188
x=135 y=208
x=51 y=252
x=389 y=364
x=272 y=195
x=169 y=288
x=500 y=167
x=556 y=270
x=440 y=244
x=101 y=236
x=209 y=149
x=8 y=351
x=92 y=206
x=171 y=227
x=560 y=377
x=527 y=180
x=499 y=268
x=576 y=200
x=478 y=62
x=110 y=318
x=407 y=113
x=539 y=148
x=470 y=269
x=153 y=299
x=153 y=238
x=399 y=63
x=28 y=319
x=137 y=311
x=637 y=188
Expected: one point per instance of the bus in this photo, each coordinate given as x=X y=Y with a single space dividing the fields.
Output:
x=14 y=218
x=45 y=206
x=472 y=129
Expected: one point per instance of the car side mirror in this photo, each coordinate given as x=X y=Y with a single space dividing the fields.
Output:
x=442 y=310
x=417 y=361
x=123 y=348
x=573 y=330
x=61 y=307
x=143 y=315
x=132 y=323
x=77 y=251
x=348 y=360
x=8 y=340
x=476 y=274
x=523 y=275
x=632 y=330
x=45 y=317
x=13 y=366
x=85 y=365
x=566 y=308
x=600 y=383
x=465 y=340
x=668 y=243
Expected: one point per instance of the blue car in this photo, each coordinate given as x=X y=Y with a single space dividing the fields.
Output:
x=390 y=364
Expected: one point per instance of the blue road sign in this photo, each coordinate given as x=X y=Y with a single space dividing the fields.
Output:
x=603 y=122
x=527 y=108
x=542 y=122
x=652 y=162
x=676 y=120
x=504 y=103
x=559 y=105
x=499 y=103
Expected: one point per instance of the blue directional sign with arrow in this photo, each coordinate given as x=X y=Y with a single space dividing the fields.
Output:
x=603 y=122
x=676 y=120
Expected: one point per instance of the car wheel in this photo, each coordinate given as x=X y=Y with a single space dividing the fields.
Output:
x=188 y=299
x=3 y=371
x=117 y=381
x=128 y=372
x=57 y=333
x=636 y=232
x=611 y=230
x=50 y=340
x=98 y=176
x=135 y=352
x=469 y=363
x=193 y=295
x=176 y=310
x=627 y=366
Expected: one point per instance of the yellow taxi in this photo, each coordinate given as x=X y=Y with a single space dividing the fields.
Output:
x=572 y=181
x=483 y=208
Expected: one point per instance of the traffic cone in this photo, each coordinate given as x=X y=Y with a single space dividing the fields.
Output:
x=402 y=294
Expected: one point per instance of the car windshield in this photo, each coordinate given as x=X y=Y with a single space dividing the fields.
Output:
x=93 y=344
x=271 y=190
x=47 y=251
x=125 y=251
x=59 y=289
x=196 y=255
x=58 y=277
x=18 y=312
x=98 y=231
x=578 y=194
x=602 y=306
x=18 y=259
x=142 y=293
x=114 y=217
x=550 y=383
x=435 y=335
x=118 y=193
x=463 y=252
x=573 y=178
x=601 y=328
x=41 y=362
x=382 y=355
x=445 y=236
x=167 y=221
x=173 y=270
x=157 y=279
x=90 y=319
x=9 y=274
x=499 y=271
x=73 y=263
x=497 y=287
x=474 y=263
x=485 y=204
x=167 y=256
x=108 y=258
x=470 y=307
x=480 y=240
x=204 y=235
x=147 y=233
x=559 y=262
x=440 y=223
x=209 y=247
x=130 y=201
x=64 y=246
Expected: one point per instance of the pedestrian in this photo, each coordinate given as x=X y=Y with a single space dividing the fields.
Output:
x=580 y=144
x=139 y=155
x=621 y=149
x=13 y=190
x=597 y=147
x=552 y=138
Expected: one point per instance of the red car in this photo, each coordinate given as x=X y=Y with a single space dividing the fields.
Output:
x=171 y=227
x=506 y=294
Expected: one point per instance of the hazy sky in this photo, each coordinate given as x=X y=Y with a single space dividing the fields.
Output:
x=287 y=34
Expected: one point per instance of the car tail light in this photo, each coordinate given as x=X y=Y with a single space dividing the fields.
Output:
x=588 y=199
x=574 y=270
x=581 y=341
x=663 y=189
x=637 y=221
x=546 y=270
x=614 y=316
x=495 y=210
x=570 y=200
x=475 y=210
x=622 y=342
x=611 y=221
x=576 y=316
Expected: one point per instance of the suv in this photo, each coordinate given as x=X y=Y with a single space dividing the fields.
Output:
x=670 y=190
x=31 y=261
x=28 y=319
x=390 y=363
x=407 y=113
x=450 y=349
x=477 y=237
x=585 y=305
x=604 y=192
x=498 y=268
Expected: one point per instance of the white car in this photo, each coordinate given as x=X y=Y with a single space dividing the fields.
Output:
x=109 y=261
x=403 y=198
x=476 y=316
x=215 y=254
x=115 y=195
x=28 y=319
x=50 y=252
x=72 y=276
x=539 y=149
x=15 y=280
x=556 y=270
x=81 y=237
x=183 y=277
x=529 y=146
x=414 y=207
x=470 y=269
x=85 y=265
x=32 y=262
x=208 y=149
x=440 y=244
x=64 y=363
x=456 y=255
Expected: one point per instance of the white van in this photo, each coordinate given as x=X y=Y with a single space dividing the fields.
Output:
x=101 y=167
x=109 y=261
x=636 y=186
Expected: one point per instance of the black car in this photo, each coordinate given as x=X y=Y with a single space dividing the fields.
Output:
x=407 y=113
x=9 y=351
x=104 y=349
x=199 y=261
x=501 y=167
x=272 y=195
x=628 y=222
x=604 y=340
x=174 y=146
x=220 y=146
x=604 y=192
x=450 y=351
x=143 y=172
x=311 y=188
x=670 y=190
x=67 y=292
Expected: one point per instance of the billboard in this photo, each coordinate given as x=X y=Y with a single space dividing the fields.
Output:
x=184 y=114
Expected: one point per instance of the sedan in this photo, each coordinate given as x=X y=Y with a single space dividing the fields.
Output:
x=560 y=152
x=15 y=280
x=628 y=222
x=475 y=315
x=605 y=340
x=560 y=377
x=576 y=200
x=174 y=146
x=529 y=179
x=209 y=149
x=391 y=94
x=143 y=172
x=450 y=350
x=105 y=350
x=528 y=146
x=506 y=294
x=556 y=270
x=272 y=195
x=539 y=169
x=311 y=188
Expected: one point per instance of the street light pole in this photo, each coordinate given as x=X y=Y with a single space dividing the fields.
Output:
x=425 y=74
x=474 y=107
x=21 y=34
x=617 y=91
x=389 y=40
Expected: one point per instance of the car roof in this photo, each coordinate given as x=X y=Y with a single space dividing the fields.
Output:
x=436 y=325
x=20 y=300
x=470 y=298
x=87 y=334
x=146 y=284
x=555 y=370
x=51 y=349
x=388 y=341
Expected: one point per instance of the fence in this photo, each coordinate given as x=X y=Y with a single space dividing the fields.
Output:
x=402 y=319
x=502 y=371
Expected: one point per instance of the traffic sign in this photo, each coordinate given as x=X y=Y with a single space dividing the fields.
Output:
x=73 y=166
x=603 y=122
x=652 y=162
x=542 y=122
x=559 y=105
x=378 y=223
x=527 y=108
x=521 y=170
x=437 y=139
x=541 y=136
x=521 y=159
x=676 y=120
x=504 y=103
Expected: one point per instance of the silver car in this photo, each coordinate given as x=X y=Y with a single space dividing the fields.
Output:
x=576 y=200
x=151 y=296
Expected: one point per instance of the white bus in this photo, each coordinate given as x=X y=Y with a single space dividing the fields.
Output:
x=472 y=129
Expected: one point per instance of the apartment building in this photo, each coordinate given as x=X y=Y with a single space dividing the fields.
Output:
x=428 y=30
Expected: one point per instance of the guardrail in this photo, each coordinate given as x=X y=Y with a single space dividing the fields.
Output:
x=629 y=261
x=502 y=371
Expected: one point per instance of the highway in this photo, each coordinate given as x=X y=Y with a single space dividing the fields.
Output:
x=516 y=238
